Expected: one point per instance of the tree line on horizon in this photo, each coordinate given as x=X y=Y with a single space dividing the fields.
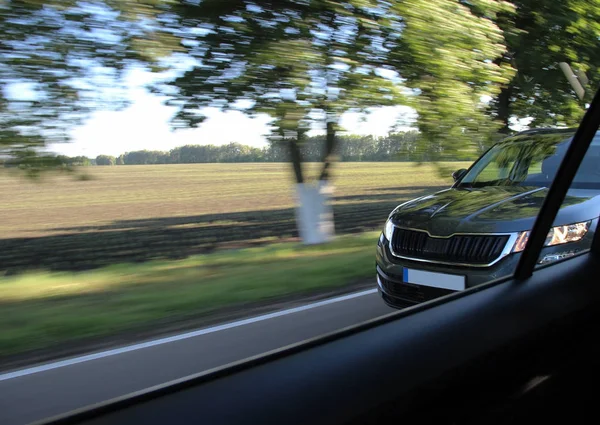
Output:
x=401 y=147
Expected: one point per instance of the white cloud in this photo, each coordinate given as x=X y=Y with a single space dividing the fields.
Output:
x=380 y=121
x=144 y=124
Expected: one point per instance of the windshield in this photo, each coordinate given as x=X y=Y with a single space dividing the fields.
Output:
x=532 y=161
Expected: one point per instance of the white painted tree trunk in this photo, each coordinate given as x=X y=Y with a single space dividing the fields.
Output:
x=314 y=214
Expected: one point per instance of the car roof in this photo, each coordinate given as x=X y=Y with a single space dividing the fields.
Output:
x=515 y=138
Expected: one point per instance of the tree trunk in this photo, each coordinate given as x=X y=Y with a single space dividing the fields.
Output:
x=296 y=159
x=328 y=156
x=314 y=214
x=503 y=108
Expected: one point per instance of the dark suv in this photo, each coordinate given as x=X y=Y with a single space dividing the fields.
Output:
x=473 y=232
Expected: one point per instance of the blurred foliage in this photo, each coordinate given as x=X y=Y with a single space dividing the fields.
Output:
x=538 y=37
x=466 y=67
x=298 y=61
x=60 y=59
x=303 y=62
x=34 y=164
x=447 y=53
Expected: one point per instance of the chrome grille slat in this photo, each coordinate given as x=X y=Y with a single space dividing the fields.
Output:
x=473 y=249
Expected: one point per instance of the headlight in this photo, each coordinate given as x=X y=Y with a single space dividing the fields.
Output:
x=556 y=236
x=388 y=230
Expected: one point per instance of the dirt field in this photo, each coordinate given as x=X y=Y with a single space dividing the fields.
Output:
x=138 y=213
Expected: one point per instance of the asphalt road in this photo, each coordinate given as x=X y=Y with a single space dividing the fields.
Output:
x=41 y=391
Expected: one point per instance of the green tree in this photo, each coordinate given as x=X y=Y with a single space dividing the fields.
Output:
x=447 y=53
x=105 y=160
x=538 y=37
x=81 y=161
x=59 y=60
x=308 y=62
x=145 y=157
x=291 y=59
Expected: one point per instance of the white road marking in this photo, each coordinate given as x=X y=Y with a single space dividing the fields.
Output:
x=179 y=337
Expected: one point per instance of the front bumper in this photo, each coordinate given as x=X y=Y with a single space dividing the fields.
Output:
x=399 y=294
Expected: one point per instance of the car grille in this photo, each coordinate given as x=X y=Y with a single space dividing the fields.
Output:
x=410 y=292
x=471 y=249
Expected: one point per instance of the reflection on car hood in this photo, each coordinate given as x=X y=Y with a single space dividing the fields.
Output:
x=494 y=209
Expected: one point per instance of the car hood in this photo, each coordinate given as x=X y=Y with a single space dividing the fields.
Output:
x=494 y=209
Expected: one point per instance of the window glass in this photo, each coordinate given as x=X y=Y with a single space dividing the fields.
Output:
x=577 y=220
x=530 y=161
x=333 y=161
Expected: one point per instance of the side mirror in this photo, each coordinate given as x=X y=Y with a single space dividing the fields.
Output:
x=458 y=174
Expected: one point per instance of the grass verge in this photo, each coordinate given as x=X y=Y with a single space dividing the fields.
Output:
x=43 y=309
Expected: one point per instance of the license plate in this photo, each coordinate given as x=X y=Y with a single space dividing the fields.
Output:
x=435 y=280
